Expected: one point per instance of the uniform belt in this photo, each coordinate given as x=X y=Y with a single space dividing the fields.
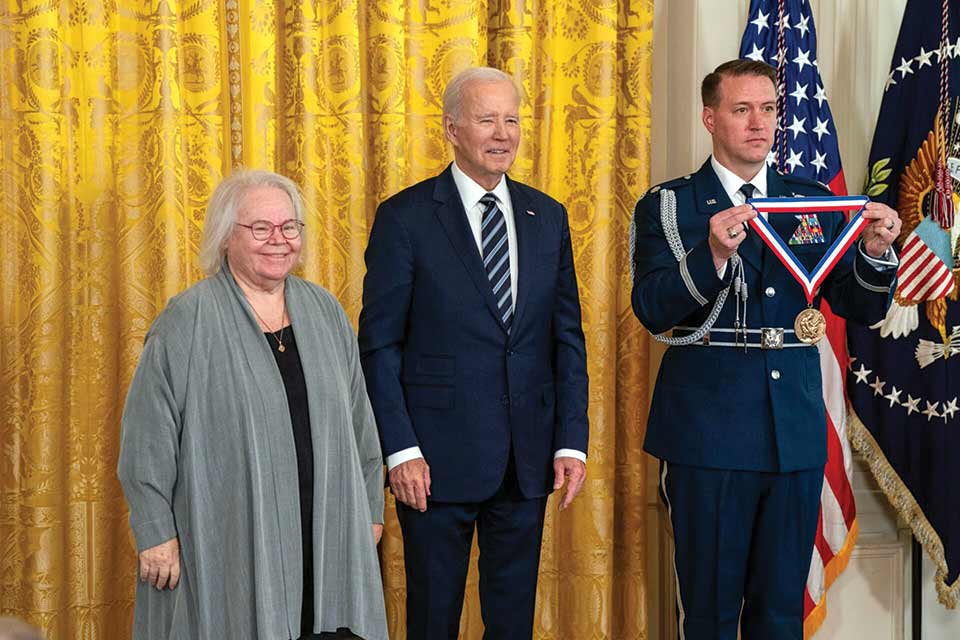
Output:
x=763 y=338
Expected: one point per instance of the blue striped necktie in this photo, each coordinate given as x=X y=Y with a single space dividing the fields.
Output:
x=496 y=256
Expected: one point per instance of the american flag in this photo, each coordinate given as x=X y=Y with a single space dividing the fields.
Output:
x=781 y=33
x=923 y=275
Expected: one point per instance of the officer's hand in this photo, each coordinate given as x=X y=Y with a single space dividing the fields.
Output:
x=410 y=483
x=574 y=472
x=727 y=231
x=879 y=234
x=160 y=565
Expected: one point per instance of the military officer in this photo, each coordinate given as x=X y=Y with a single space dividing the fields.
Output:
x=737 y=417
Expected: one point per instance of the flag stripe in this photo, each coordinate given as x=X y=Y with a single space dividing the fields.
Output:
x=918 y=265
x=840 y=474
x=931 y=287
x=932 y=275
x=835 y=526
x=814 y=590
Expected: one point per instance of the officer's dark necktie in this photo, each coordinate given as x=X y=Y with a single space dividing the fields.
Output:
x=747 y=190
x=496 y=256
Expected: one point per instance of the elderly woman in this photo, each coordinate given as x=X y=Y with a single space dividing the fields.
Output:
x=249 y=456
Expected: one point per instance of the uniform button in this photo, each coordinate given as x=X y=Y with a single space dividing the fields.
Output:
x=775 y=374
x=505 y=400
x=770 y=292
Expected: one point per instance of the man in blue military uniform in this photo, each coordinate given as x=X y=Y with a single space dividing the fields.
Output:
x=737 y=417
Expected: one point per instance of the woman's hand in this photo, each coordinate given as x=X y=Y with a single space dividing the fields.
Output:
x=160 y=565
x=377 y=533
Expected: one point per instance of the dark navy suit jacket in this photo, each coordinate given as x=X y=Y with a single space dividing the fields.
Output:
x=442 y=371
x=722 y=407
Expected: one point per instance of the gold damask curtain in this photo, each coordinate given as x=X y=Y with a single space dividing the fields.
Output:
x=117 y=119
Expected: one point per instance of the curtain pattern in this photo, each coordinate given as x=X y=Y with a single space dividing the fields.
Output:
x=117 y=119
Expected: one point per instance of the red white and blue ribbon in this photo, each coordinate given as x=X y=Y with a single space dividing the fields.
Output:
x=810 y=281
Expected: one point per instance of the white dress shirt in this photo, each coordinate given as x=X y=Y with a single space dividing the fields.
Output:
x=732 y=182
x=470 y=194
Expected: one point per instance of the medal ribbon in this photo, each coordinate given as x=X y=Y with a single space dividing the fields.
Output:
x=810 y=281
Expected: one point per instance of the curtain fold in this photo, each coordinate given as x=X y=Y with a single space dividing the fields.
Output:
x=117 y=120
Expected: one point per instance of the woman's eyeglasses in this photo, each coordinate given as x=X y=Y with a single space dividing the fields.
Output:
x=262 y=230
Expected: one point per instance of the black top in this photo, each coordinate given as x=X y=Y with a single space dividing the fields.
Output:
x=291 y=370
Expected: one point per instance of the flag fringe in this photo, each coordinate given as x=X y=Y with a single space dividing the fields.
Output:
x=840 y=561
x=815 y=618
x=905 y=505
x=833 y=569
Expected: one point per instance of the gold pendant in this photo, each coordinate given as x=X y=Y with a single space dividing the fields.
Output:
x=810 y=326
x=281 y=348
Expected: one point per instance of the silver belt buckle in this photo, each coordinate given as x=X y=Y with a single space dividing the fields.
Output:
x=771 y=338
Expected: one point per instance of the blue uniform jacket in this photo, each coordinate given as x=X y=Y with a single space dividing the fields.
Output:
x=442 y=371
x=726 y=407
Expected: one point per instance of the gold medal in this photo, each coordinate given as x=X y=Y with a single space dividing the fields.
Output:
x=810 y=326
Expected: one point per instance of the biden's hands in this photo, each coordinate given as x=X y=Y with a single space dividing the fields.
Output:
x=573 y=472
x=410 y=483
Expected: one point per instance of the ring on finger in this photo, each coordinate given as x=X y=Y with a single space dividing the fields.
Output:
x=733 y=233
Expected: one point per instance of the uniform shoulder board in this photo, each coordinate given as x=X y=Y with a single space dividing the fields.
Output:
x=671 y=184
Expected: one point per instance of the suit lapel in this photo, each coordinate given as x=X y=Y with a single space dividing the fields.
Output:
x=453 y=218
x=712 y=199
x=528 y=235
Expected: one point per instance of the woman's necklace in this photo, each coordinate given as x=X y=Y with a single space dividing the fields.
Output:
x=279 y=338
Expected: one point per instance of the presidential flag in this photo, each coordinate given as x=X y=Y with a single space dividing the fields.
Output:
x=904 y=378
x=782 y=34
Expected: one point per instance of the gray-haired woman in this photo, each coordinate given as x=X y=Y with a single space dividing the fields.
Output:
x=249 y=455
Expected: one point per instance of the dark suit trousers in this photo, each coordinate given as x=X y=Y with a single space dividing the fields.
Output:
x=743 y=541
x=436 y=547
